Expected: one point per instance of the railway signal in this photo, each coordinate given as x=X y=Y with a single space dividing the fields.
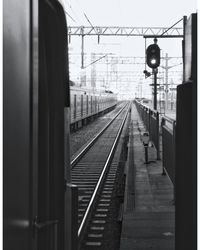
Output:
x=153 y=61
x=153 y=56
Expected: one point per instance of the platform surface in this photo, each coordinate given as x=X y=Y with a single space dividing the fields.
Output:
x=148 y=218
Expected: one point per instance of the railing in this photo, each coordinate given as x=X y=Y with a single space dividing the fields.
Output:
x=168 y=146
x=151 y=120
x=154 y=132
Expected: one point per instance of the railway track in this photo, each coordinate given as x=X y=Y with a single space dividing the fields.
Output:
x=80 y=138
x=94 y=172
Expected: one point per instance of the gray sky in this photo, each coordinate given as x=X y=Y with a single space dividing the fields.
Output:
x=129 y=13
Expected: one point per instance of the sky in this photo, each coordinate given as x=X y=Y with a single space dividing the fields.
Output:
x=124 y=13
x=129 y=12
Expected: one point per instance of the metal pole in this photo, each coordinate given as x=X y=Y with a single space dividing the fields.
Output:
x=166 y=81
x=155 y=71
x=82 y=52
x=183 y=45
x=163 y=167
x=158 y=135
x=145 y=55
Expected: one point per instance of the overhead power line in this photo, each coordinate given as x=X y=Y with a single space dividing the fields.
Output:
x=76 y=15
x=95 y=61
x=90 y=22
x=70 y=16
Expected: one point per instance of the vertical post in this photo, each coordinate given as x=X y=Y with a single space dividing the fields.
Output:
x=183 y=45
x=163 y=160
x=158 y=135
x=155 y=71
x=145 y=55
x=166 y=81
x=82 y=51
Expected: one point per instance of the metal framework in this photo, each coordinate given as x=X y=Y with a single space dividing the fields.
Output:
x=98 y=31
x=122 y=31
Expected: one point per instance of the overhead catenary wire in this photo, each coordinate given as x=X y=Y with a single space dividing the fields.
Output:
x=69 y=16
x=74 y=12
x=90 y=23
x=80 y=11
x=95 y=61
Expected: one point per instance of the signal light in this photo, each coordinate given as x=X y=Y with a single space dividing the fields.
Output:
x=153 y=56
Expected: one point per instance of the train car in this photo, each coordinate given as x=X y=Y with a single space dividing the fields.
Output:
x=85 y=105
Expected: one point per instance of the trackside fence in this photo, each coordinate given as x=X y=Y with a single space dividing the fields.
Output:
x=164 y=135
x=150 y=119
x=168 y=146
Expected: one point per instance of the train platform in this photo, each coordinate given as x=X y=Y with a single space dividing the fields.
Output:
x=149 y=213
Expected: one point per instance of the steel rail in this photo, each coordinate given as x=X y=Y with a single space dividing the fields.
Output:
x=108 y=160
x=89 y=145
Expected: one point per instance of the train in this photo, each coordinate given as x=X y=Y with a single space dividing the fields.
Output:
x=86 y=104
x=38 y=196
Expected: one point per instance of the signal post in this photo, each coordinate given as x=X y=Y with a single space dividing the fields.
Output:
x=155 y=72
x=153 y=61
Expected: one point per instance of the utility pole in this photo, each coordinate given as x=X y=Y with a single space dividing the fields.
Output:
x=166 y=68
x=166 y=81
x=82 y=48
